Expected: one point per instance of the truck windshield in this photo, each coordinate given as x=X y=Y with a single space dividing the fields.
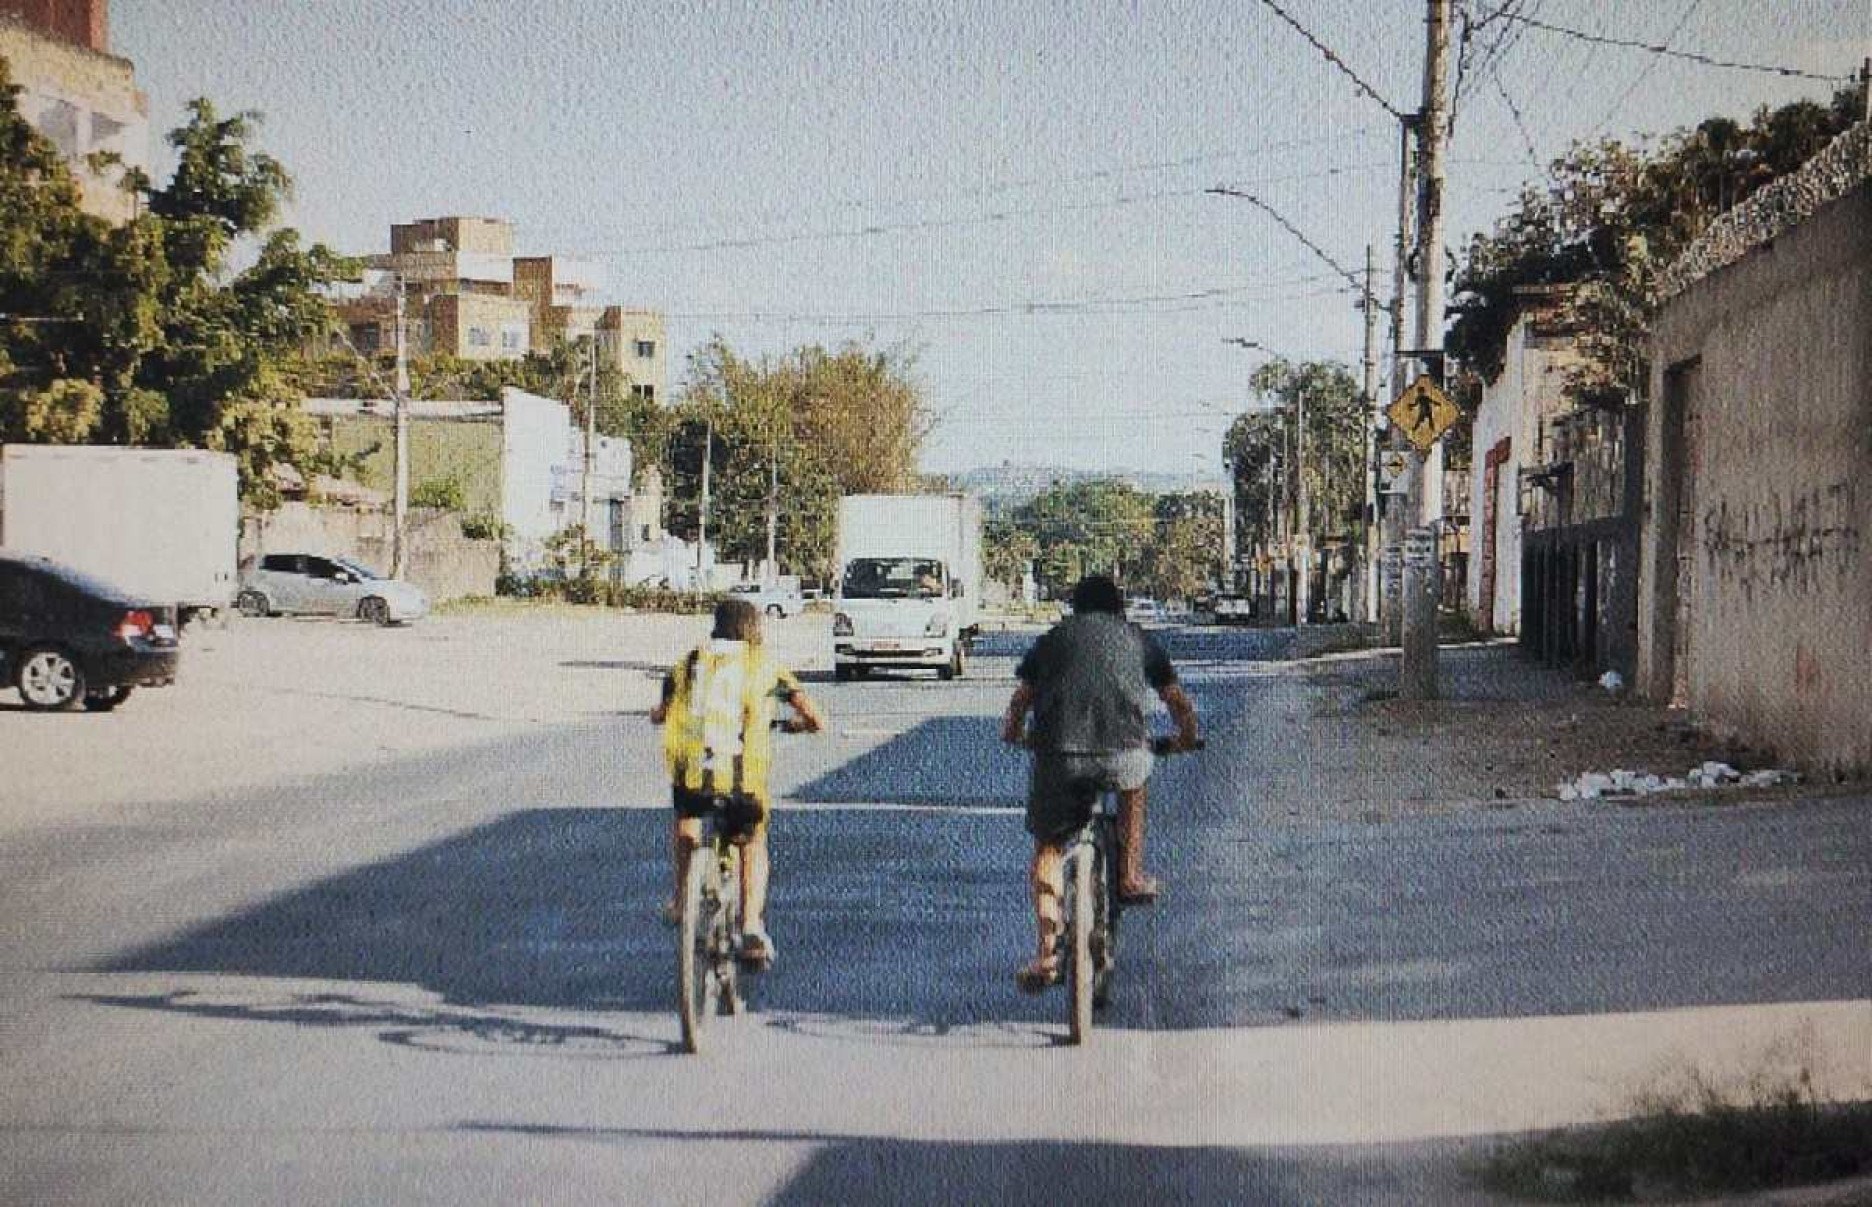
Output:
x=893 y=578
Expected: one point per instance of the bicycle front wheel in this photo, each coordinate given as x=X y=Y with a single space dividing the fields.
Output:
x=1082 y=973
x=694 y=965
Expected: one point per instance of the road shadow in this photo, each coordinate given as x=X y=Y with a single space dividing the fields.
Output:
x=860 y=1169
x=878 y=915
x=954 y=761
x=430 y=1028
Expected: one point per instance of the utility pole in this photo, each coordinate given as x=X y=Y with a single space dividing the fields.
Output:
x=399 y=552
x=773 y=509
x=1865 y=96
x=1417 y=678
x=1368 y=606
x=590 y=460
x=1303 y=517
x=1391 y=571
x=708 y=455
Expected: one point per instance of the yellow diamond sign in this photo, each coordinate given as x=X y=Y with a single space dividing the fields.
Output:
x=1423 y=412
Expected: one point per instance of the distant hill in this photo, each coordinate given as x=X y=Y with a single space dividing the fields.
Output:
x=1002 y=487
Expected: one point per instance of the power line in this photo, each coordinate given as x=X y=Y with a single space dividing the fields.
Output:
x=1650 y=65
x=1334 y=59
x=1093 y=305
x=1666 y=51
x=1358 y=286
x=1514 y=111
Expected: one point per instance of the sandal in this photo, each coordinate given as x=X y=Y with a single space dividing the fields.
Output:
x=1039 y=973
x=1143 y=891
x=758 y=949
x=670 y=913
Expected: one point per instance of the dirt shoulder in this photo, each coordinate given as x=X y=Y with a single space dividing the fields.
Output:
x=1506 y=730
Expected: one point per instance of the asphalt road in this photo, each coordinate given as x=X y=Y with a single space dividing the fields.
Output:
x=438 y=978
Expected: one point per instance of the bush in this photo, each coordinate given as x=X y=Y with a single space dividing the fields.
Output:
x=483 y=526
x=445 y=494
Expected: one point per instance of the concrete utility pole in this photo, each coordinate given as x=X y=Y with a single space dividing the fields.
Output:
x=1391 y=569
x=1368 y=606
x=400 y=404
x=590 y=460
x=708 y=455
x=1417 y=679
x=1303 y=518
x=773 y=510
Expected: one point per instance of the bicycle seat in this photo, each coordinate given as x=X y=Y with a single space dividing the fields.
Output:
x=738 y=815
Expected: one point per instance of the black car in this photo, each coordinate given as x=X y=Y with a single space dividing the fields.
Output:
x=67 y=639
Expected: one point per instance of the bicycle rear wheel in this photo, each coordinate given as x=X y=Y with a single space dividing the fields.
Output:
x=695 y=972
x=1082 y=973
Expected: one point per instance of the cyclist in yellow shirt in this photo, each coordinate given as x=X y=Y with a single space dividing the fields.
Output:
x=717 y=713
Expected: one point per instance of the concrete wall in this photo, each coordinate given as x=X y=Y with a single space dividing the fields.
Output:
x=1761 y=418
x=445 y=564
x=477 y=326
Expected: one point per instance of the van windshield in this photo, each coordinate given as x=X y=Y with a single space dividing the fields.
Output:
x=893 y=578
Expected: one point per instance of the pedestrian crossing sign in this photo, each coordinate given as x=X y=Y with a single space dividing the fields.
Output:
x=1423 y=412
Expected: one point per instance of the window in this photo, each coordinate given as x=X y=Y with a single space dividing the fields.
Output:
x=281 y=563
x=478 y=337
x=645 y=392
x=646 y=349
x=513 y=338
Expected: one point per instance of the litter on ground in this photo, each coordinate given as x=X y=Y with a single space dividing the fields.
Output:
x=1595 y=785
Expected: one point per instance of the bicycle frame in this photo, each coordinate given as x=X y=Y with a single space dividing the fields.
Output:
x=1092 y=910
x=709 y=935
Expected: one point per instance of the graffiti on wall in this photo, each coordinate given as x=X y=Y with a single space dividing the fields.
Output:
x=1792 y=542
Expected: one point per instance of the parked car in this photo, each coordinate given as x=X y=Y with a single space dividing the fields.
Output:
x=1234 y=609
x=331 y=586
x=68 y=639
x=778 y=601
x=1146 y=611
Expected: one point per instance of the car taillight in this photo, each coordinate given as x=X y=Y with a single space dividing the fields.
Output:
x=135 y=624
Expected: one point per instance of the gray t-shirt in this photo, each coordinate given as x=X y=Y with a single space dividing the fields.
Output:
x=1093 y=677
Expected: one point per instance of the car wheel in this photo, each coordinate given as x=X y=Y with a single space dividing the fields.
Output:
x=109 y=698
x=776 y=611
x=252 y=603
x=48 y=679
x=375 y=610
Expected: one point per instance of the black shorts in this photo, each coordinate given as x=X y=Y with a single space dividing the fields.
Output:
x=747 y=814
x=1062 y=787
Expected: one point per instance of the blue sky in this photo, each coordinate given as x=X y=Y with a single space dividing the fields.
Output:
x=1015 y=190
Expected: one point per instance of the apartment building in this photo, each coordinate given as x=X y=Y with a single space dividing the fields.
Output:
x=467 y=294
x=79 y=95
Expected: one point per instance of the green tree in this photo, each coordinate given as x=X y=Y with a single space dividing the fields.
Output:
x=142 y=333
x=1606 y=223
x=1263 y=447
x=807 y=427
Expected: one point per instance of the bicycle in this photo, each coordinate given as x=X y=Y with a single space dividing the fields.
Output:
x=1093 y=906
x=709 y=956
x=708 y=932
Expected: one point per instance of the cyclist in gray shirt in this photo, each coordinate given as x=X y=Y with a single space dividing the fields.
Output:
x=1088 y=682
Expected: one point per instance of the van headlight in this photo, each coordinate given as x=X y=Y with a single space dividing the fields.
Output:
x=841 y=625
x=938 y=626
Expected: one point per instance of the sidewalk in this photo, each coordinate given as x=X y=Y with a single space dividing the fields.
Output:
x=1505 y=731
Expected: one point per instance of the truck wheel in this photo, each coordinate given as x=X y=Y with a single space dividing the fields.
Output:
x=776 y=611
x=252 y=604
x=49 y=680
x=109 y=698
x=842 y=673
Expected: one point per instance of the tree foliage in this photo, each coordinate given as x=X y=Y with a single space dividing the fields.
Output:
x=144 y=333
x=1169 y=546
x=1262 y=446
x=808 y=427
x=1605 y=224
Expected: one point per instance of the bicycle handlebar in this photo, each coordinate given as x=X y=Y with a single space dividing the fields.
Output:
x=1164 y=747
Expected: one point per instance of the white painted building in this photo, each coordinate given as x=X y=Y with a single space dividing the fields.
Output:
x=1510 y=435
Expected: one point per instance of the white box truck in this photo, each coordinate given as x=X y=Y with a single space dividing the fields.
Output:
x=909 y=583
x=159 y=523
